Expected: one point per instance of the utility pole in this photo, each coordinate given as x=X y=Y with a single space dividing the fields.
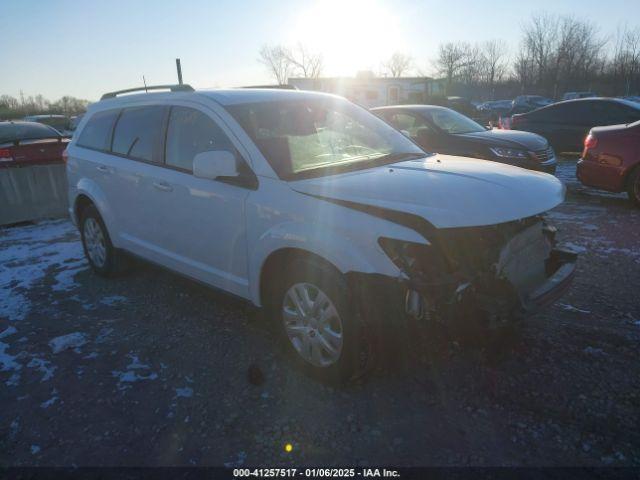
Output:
x=179 y=68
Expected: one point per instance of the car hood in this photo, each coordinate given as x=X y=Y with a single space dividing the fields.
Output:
x=508 y=139
x=446 y=191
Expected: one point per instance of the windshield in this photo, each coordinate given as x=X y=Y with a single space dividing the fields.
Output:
x=454 y=122
x=319 y=136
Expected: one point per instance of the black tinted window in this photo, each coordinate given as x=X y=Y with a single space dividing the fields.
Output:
x=191 y=132
x=10 y=132
x=97 y=132
x=626 y=113
x=570 y=112
x=138 y=133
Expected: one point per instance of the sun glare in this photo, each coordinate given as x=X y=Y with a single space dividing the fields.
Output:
x=351 y=35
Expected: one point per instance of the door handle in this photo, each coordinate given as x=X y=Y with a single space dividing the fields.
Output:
x=103 y=169
x=165 y=187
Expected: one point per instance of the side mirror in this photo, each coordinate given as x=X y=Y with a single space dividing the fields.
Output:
x=214 y=164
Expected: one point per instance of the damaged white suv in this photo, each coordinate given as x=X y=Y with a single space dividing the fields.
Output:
x=311 y=207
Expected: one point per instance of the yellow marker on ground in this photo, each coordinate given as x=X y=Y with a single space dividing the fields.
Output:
x=288 y=448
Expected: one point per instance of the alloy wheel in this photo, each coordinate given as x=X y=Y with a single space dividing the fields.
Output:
x=313 y=324
x=95 y=242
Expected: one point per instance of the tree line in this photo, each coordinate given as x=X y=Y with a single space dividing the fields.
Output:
x=14 y=108
x=556 y=53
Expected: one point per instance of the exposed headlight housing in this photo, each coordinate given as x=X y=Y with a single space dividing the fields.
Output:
x=510 y=153
x=417 y=260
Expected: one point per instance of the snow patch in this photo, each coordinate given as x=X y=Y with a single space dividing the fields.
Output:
x=49 y=402
x=135 y=372
x=65 y=342
x=43 y=366
x=113 y=300
x=8 y=362
x=186 y=392
x=28 y=254
x=571 y=308
x=574 y=247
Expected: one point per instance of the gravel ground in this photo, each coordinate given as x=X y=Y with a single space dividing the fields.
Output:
x=151 y=369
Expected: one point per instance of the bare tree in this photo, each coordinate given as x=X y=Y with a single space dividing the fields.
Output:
x=305 y=63
x=560 y=53
x=625 y=63
x=397 y=64
x=277 y=61
x=451 y=59
x=472 y=65
x=494 y=56
x=540 y=38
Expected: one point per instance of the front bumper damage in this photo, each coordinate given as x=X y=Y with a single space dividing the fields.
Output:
x=494 y=276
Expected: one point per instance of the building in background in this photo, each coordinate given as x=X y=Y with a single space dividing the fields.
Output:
x=370 y=91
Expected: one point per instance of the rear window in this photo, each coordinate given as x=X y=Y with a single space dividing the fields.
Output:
x=59 y=123
x=96 y=133
x=138 y=133
x=11 y=132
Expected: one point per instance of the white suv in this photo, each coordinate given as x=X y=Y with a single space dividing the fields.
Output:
x=311 y=207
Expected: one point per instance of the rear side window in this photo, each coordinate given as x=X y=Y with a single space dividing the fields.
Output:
x=138 y=133
x=191 y=132
x=96 y=133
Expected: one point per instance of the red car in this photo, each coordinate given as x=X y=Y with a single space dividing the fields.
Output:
x=29 y=143
x=611 y=159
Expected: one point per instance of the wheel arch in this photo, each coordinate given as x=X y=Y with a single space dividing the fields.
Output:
x=89 y=193
x=82 y=201
x=281 y=257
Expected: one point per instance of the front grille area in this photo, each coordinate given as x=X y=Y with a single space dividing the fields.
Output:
x=544 y=155
x=476 y=249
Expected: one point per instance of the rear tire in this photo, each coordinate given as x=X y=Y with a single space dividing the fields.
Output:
x=102 y=256
x=633 y=187
x=315 y=321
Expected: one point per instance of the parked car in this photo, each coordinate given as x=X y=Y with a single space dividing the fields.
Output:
x=461 y=105
x=526 y=103
x=314 y=209
x=492 y=111
x=74 y=122
x=575 y=95
x=611 y=160
x=632 y=98
x=439 y=129
x=23 y=143
x=566 y=124
x=60 y=122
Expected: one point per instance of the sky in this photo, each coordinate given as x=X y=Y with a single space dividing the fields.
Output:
x=85 y=48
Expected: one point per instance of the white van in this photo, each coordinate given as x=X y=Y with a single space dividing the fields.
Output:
x=313 y=208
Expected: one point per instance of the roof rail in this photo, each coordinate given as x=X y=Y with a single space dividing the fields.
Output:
x=183 y=87
x=275 y=87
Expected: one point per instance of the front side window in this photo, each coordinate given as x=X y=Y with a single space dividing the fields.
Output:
x=409 y=123
x=454 y=122
x=316 y=136
x=96 y=133
x=191 y=132
x=138 y=133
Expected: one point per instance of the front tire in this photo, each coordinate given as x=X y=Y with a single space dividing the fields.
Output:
x=102 y=256
x=316 y=323
x=633 y=187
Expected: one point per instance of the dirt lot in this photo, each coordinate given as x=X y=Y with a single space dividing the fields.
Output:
x=150 y=369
